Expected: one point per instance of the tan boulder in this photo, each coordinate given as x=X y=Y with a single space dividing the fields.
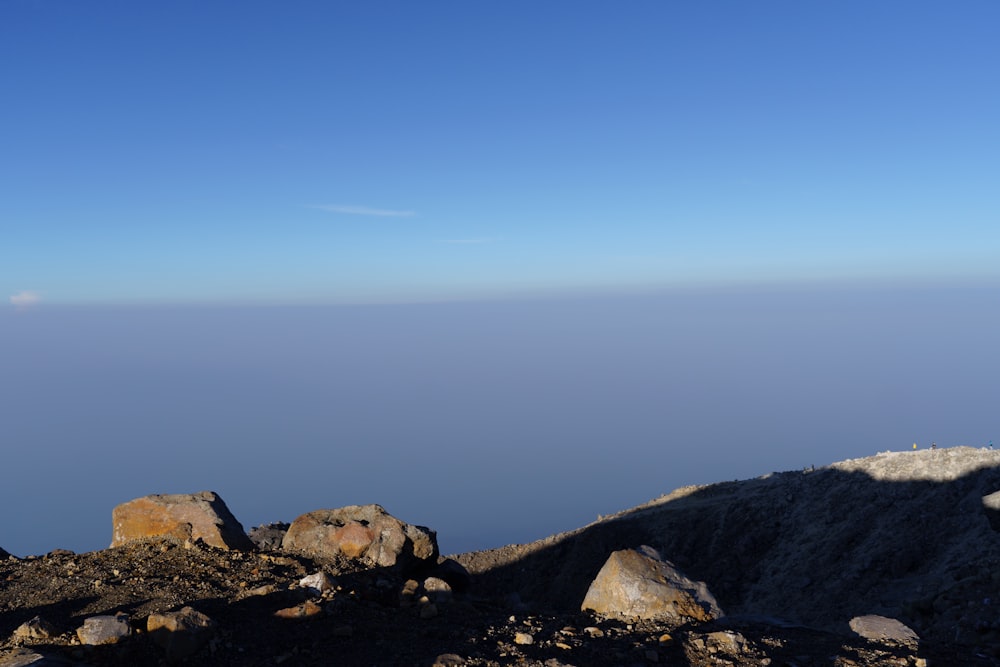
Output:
x=192 y=517
x=363 y=532
x=180 y=633
x=884 y=630
x=638 y=583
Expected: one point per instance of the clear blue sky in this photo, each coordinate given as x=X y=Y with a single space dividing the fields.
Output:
x=393 y=151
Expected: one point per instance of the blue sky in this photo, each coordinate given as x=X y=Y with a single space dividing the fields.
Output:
x=769 y=231
x=327 y=152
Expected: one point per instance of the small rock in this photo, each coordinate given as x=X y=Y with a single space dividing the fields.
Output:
x=60 y=552
x=454 y=573
x=593 y=632
x=524 y=639
x=318 y=583
x=36 y=628
x=23 y=657
x=448 y=660
x=260 y=591
x=726 y=641
x=438 y=590
x=411 y=591
x=180 y=633
x=98 y=630
x=884 y=630
x=268 y=537
x=307 y=609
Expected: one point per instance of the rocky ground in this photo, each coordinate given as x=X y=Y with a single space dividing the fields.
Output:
x=791 y=558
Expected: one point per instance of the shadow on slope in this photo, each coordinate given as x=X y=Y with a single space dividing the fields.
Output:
x=900 y=534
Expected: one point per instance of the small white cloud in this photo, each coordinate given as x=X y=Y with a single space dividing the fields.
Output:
x=25 y=299
x=365 y=210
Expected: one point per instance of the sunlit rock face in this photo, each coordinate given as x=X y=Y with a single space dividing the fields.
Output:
x=362 y=532
x=199 y=516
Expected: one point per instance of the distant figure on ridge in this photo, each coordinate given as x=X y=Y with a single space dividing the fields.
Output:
x=914 y=445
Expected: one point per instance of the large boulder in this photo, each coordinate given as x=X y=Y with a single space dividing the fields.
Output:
x=192 y=517
x=639 y=583
x=363 y=532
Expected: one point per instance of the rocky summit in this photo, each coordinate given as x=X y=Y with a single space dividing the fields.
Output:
x=886 y=560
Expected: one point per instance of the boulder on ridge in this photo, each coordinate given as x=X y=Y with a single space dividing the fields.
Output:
x=363 y=532
x=192 y=517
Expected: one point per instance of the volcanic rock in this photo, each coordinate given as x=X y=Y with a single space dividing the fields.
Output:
x=180 y=633
x=268 y=537
x=98 y=630
x=317 y=583
x=181 y=517
x=884 y=630
x=639 y=583
x=991 y=506
x=23 y=657
x=36 y=628
x=363 y=532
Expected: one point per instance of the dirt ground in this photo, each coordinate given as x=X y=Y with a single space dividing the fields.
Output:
x=362 y=621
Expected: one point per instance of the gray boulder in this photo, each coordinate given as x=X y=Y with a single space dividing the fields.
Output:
x=363 y=532
x=639 y=583
x=269 y=536
x=98 y=630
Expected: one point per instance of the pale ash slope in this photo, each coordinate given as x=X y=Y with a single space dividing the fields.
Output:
x=902 y=534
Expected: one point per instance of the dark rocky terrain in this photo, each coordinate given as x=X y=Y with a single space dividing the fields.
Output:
x=791 y=558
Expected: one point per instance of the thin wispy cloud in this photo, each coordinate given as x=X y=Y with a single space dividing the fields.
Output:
x=365 y=210
x=468 y=241
x=25 y=299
